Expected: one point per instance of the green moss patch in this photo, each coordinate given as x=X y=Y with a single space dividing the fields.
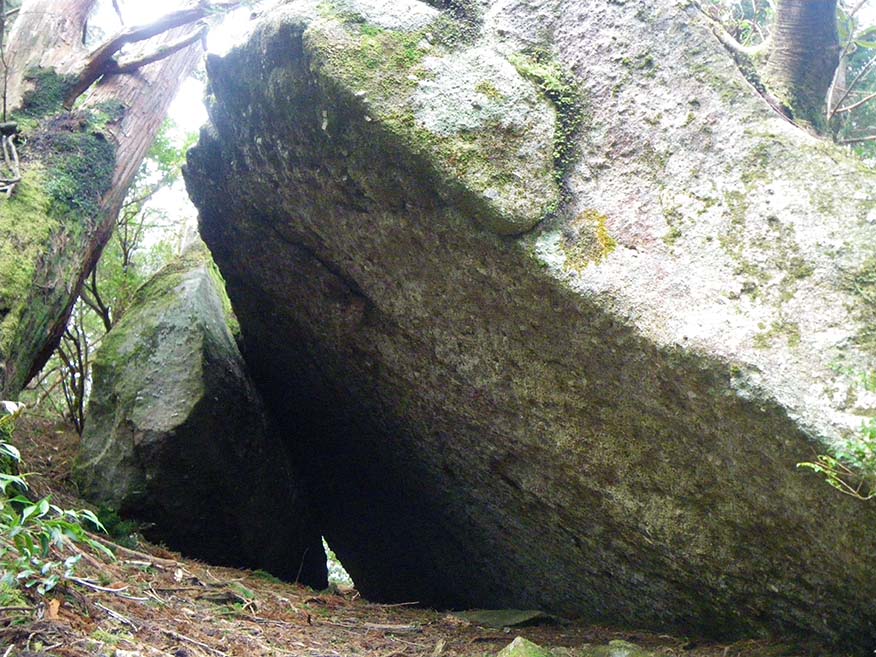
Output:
x=46 y=94
x=782 y=328
x=26 y=226
x=79 y=161
x=67 y=166
x=558 y=84
x=862 y=284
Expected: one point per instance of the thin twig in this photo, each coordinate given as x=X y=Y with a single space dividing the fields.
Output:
x=857 y=140
x=97 y=587
x=119 y=617
x=864 y=71
x=831 y=111
x=169 y=563
x=194 y=642
x=854 y=106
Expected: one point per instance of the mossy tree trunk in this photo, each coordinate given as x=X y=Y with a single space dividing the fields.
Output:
x=77 y=164
x=803 y=57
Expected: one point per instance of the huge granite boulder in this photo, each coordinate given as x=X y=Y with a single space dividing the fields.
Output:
x=552 y=303
x=177 y=437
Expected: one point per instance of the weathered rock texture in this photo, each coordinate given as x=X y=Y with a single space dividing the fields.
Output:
x=587 y=397
x=176 y=435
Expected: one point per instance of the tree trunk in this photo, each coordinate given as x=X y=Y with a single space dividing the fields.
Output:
x=804 y=56
x=77 y=167
x=46 y=34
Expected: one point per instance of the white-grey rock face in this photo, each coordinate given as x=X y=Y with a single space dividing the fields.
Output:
x=738 y=234
x=587 y=396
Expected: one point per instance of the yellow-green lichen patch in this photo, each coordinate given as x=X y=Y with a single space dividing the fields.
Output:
x=481 y=129
x=489 y=90
x=26 y=226
x=586 y=240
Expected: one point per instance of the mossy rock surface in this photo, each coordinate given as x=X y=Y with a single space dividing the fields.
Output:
x=596 y=411
x=176 y=436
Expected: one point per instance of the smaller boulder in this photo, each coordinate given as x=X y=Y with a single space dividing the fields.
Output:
x=521 y=647
x=176 y=435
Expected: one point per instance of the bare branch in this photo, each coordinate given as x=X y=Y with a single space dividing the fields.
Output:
x=166 y=51
x=849 y=108
x=100 y=61
x=118 y=11
x=857 y=8
x=857 y=140
x=860 y=76
x=832 y=111
x=90 y=296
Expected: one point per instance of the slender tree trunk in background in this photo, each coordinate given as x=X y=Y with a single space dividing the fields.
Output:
x=803 y=57
x=121 y=112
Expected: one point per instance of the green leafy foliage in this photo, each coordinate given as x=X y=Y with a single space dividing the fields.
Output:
x=122 y=530
x=37 y=538
x=851 y=469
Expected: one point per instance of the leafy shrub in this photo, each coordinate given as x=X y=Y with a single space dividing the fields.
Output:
x=37 y=538
x=851 y=469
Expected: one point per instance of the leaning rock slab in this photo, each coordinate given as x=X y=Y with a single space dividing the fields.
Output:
x=587 y=397
x=177 y=437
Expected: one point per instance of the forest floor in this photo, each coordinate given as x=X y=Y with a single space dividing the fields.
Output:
x=150 y=602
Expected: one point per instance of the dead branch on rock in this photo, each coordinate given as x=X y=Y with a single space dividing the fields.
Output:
x=11 y=173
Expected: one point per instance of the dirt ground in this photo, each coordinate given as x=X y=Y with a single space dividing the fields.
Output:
x=149 y=602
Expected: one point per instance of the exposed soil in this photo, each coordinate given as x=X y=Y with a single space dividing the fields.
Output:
x=153 y=603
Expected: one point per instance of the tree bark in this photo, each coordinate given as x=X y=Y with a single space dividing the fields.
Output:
x=803 y=57
x=46 y=34
x=49 y=36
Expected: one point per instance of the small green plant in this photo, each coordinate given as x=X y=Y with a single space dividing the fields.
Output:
x=852 y=467
x=121 y=530
x=36 y=537
x=266 y=576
